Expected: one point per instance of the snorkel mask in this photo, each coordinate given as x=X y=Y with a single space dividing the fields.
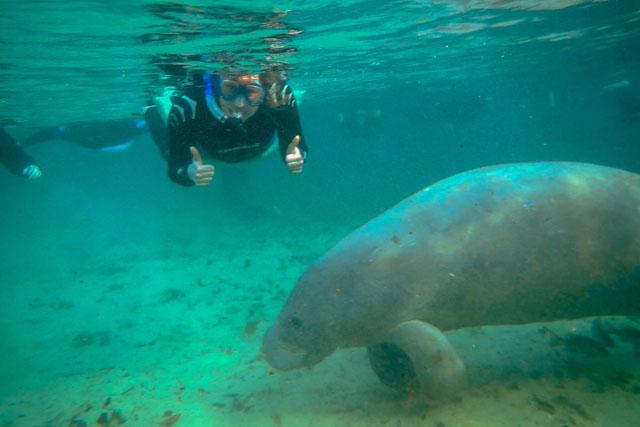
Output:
x=246 y=87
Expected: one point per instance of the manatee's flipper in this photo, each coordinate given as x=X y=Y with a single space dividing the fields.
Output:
x=417 y=357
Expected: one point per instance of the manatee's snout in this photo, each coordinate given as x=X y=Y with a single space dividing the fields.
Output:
x=281 y=355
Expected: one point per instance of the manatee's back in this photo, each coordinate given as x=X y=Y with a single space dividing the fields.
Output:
x=508 y=244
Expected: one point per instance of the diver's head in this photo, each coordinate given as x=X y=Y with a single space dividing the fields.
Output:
x=240 y=96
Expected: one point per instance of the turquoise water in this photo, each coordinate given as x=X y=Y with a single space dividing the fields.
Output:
x=117 y=284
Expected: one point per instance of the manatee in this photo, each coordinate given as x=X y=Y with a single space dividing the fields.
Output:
x=503 y=245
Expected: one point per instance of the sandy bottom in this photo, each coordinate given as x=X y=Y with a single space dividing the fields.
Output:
x=107 y=321
x=171 y=336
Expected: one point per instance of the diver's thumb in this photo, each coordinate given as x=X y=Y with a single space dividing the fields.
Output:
x=197 y=158
x=294 y=144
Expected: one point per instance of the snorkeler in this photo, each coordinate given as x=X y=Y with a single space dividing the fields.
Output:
x=230 y=117
x=107 y=135
x=15 y=159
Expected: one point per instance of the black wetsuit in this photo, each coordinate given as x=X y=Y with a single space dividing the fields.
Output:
x=94 y=134
x=12 y=156
x=192 y=124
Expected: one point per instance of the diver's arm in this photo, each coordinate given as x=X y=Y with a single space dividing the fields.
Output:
x=179 y=157
x=15 y=159
x=157 y=129
x=287 y=122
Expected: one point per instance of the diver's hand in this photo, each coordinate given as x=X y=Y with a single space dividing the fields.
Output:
x=198 y=172
x=294 y=157
x=32 y=172
x=280 y=95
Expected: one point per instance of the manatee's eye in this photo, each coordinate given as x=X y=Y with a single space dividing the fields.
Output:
x=295 y=322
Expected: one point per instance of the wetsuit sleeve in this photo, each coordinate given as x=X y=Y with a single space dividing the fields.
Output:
x=179 y=158
x=12 y=156
x=158 y=130
x=287 y=121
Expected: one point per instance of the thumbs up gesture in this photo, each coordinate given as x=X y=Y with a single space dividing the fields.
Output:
x=294 y=156
x=198 y=172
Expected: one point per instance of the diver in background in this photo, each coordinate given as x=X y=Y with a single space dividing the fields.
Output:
x=230 y=116
x=108 y=135
x=15 y=159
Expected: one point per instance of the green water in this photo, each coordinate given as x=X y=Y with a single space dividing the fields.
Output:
x=115 y=282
